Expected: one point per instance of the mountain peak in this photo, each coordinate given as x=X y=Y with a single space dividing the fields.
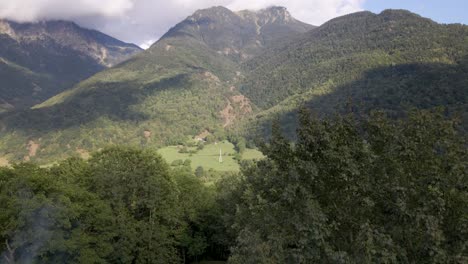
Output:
x=238 y=34
x=276 y=13
x=399 y=14
x=212 y=12
x=213 y=9
x=279 y=10
x=268 y=15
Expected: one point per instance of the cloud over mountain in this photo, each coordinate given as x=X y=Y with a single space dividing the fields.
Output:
x=30 y=10
x=139 y=21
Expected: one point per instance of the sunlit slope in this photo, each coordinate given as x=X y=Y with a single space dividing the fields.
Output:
x=182 y=85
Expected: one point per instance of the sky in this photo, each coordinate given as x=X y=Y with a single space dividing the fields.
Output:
x=442 y=11
x=143 y=21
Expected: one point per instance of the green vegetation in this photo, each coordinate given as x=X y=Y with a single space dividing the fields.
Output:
x=354 y=185
x=208 y=73
x=252 y=154
x=208 y=157
x=350 y=190
x=393 y=61
x=175 y=89
x=121 y=206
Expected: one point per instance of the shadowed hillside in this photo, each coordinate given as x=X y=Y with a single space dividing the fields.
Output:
x=394 y=89
x=341 y=50
x=39 y=60
x=390 y=61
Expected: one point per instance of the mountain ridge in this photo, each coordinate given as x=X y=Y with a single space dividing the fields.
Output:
x=324 y=68
x=39 y=60
x=185 y=84
x=67 y=33
x=249 y=30
x=182 y=85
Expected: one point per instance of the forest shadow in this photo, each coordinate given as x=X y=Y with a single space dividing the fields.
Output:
x=394 y=90
x=111 y=100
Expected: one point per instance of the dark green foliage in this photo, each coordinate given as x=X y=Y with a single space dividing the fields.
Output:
x=210 y=139
x=239 y=143
x=199 y=171
x=187 y=163
x=379 y=191
x=143 y=198
x=47 y=217
x=121 y=206
x=200 y=146
x=350 y=190
x=184 y=150
x=176 y=163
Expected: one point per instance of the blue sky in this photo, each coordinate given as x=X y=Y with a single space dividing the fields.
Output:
x=442 y=11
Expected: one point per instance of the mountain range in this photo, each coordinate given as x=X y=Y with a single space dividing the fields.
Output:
x=39 y=60
x=220 y=71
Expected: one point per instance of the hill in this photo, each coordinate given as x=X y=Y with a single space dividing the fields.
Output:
x=39 y=60
x=183 y=85
x=392 y=61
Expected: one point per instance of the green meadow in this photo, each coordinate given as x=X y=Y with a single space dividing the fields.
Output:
x=208 y=157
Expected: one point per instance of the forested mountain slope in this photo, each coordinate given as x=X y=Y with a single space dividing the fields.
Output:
x=39 y=60
x=181 y=86
x=220 y=70
x=393 y=61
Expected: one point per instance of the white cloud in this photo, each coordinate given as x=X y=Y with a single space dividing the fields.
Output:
x=30 y=10
x=146 y=44
x=141 y=21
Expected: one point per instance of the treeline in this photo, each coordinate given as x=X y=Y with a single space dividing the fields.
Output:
x=347 y=191
x=122 y=206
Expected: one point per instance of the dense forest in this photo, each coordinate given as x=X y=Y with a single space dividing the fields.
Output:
x=349 y=190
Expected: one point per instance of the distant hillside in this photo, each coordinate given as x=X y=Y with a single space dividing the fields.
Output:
x=392 y=61
x=181 y=86
x=39 y=60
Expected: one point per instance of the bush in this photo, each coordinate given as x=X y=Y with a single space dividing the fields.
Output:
x=176 y=163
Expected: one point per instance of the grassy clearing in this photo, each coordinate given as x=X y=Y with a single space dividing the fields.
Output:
x=208 y=157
